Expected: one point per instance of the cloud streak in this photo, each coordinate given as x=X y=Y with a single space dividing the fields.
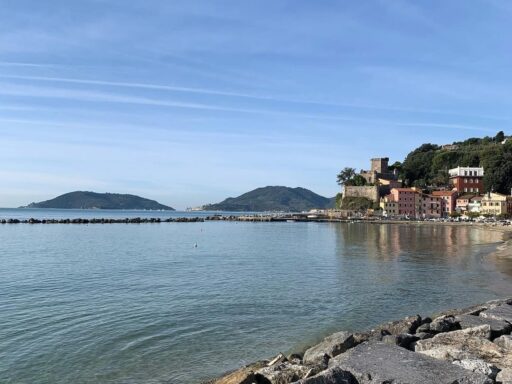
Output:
x=215 y=92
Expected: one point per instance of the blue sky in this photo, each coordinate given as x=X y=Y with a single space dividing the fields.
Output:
x=189 y=102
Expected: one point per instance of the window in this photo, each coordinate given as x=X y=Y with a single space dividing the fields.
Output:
x=465 y=181
x=465 y=189
x=465 y=173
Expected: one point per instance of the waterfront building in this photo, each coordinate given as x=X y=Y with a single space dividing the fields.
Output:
x=408 y=200
x=496 y=204
x=450 y=200
x=467 y=179
x=475 y=204
x=463 y=202
x=389 y=206
x=430 y=206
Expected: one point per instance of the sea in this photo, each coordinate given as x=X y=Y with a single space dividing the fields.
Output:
x=185 y=302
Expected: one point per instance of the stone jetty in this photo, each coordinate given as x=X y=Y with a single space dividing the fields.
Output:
x=463 y=346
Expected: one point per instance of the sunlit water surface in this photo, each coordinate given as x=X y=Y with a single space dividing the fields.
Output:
x=126 y=303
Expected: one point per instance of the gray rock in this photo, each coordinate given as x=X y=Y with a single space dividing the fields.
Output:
x=467 y=344
x=443 y=324
x=498 y=327
x=424 y=335
x=476 y=309
x=504 y=342
x=403 y=340
x=423 y=328
x=406 y=325
x=244 y=375
x=479 y=366
x=333 y=375
x=281 y=373
x=504 y=376
x=379 y=363
x=502 y=312
x=330 y=347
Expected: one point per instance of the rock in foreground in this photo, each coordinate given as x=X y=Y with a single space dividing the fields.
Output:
x=379 y=363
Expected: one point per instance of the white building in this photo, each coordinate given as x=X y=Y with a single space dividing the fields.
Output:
x=466 y=171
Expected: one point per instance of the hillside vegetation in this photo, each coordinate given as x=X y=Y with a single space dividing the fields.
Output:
x=93 y=200
x=428 y=165
x=273 y=198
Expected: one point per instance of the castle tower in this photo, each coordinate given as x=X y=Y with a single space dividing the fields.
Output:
x=380 y=165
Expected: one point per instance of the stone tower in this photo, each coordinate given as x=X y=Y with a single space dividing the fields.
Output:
x=380 y=165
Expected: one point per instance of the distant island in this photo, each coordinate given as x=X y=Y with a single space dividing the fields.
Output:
x=93 y=200
x=273 y=198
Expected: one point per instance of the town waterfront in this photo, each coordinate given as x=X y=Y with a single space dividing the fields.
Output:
x=172 y=303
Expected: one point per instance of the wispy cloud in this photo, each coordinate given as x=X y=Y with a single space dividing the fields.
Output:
x=216 y=92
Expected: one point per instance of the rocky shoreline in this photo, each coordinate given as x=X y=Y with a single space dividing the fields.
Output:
x=462 y=346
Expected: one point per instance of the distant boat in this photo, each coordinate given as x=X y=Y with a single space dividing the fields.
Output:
x=290 y=221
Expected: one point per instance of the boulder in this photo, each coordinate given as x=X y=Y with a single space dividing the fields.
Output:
x=378 y=363
x=328 y=348
x=467 y=344
x=443 y=324
x=502 y=312
x=406 y=325
x=333 y=375
x=424 y=335
x=504 y=342
x=281 y=373
x=504 y=376
x=243 y=375
x=498 y=327
x=403 y=340
x=423 y=328
x=479 y=366
x=476 y=309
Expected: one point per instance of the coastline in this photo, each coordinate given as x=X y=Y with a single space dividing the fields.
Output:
x=289 y=368
x=462 y=345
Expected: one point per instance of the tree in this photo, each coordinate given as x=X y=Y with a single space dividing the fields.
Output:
x=345 y=174
x=339 y=198
x=500 y=136
x=357 y=181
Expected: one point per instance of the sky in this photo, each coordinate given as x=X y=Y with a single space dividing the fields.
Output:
x=189 y=102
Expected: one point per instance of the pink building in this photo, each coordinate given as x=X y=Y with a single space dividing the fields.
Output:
x=407 y=200
x=431 y=206
x=450 y=200
x=413 y=203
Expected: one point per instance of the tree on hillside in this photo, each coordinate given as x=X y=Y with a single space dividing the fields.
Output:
x=500 y=136
x=345 y=174
x=417 y=165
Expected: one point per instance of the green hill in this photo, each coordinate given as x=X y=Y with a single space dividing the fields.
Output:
x=274 y=198
x=93 y=200
x=428 y=165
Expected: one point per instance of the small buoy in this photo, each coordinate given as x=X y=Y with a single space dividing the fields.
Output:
x=195 y=245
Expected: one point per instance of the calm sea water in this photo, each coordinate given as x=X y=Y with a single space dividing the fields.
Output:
x=141 y=304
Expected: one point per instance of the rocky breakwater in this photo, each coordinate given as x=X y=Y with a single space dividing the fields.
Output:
x=132 y=220
x=464 y=346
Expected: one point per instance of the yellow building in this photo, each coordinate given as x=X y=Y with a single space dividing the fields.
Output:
x=496 y=204
x=389 y=206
